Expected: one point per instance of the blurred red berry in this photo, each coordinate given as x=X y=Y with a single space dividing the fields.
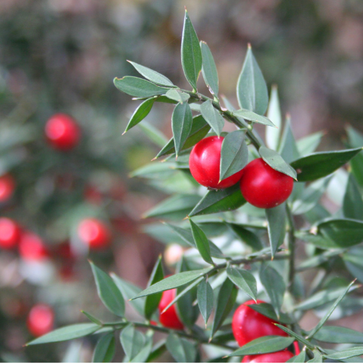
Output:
x=94 y=233
x=62 y=132
x=7 y=186
x=9 y=233
x=169 y=318
x=40 y=320
x=31 y=247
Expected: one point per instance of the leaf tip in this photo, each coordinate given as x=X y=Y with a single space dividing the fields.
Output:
x=124 y=133
x=153 y=159
x=249 y=46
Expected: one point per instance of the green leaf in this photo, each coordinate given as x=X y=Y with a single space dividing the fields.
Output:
x=209 y=69
x=152 y=301
x=201 y=242
x=345 y=354
x=212 y=116
x=132 y=341
x=140 y=113
x=66 y=333
x=274 y=114
x=274 y=285
x=177 y=95
x=181 y=122
x=353 y=203
x=252 y=91
x=138 y=87
x=153 y=134
x=268 y=310
x=356 y=140
x=144 y=353
x=108 y=292
x=276 y=162
x=191 y=55
x=331 y=310
x=296 y=336
x=339 y=335
x=298 y=358
x=180 y=349
x=245 y=235
x=266 y=344
x=254 y=117
x=318 y=358
x=288 y=148
x=174 y=281
x=276 y=218
x=320 y=164
x=205 y=299
x=152 y=75
x=234 y=154
x=219 y=201
x=105 y=349
x=353 y=260
x=91 y=317
x=244 y=280
x=226 y=298
x=308 y=144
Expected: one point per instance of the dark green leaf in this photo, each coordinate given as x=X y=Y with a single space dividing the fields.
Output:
x=138 y=87
x=66 y=333
x=298 y=358
x=234 y=154
x=105 y=349
x=276 y=218
x=274 y=114
x=296 y=336
x=108 y=292
x=244 y=280
x=250 y=238
x=152 y=301
x=320 y=164
x=268 y=310
x=201 y=242
x=177 y=95
x=140 y=113
x=254 y=117
x=180 y=349
x=91 y=317
x=152 y=75
x=252 y=91
x=339 y=335
x=308 y=144
x=209 y=69
x=132 y=341
x=212 y=116
x=345 y=354
x=181 y=122
x=219 y=201
x=205 y=299
x=356 y=140
x=353 y=203
x=191 y=55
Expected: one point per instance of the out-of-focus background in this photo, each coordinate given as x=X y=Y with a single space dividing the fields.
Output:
x=60 y=56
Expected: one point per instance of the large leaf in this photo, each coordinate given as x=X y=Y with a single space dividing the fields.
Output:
x=205 y=299
x=320 y=164
x=191 y=55
x=180 y=349
x=108 y=292
x=212 y=116
x=140 y=113
x=138 y=87
x=252 y=91
x=244 y=280
x=105 y=349
x=353 y=203
x=254 y=117
x=276 y=218
x=152 y=75
x=234 y=154
x=339 y=335
x=132 y=341
x=201 y=242
x=181 y=121
x=209 y=69
x=274 y=114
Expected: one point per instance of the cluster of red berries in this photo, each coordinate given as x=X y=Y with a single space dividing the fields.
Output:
x=261 y=185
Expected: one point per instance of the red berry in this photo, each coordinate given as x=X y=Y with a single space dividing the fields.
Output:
x=62 y=132
x=169 y=318
x=279 y=357
x=263 y=186
x=94 y=233
x=248 y=324
x=40 y=320
x=31 y=247
x=9 y=233
x=204 y=164
x=7 y=186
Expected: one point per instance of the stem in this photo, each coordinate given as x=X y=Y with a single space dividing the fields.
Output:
x=291 y=247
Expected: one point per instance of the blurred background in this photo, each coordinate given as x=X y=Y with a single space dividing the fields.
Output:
x=60 y=56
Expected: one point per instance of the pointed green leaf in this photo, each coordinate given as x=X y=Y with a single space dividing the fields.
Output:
x=244 y=280
x=212 y=116
x=308 y=144
x=180 y=349
x=132 y=341
x=355 y=139
x=205 y=299
x=105 y=349
x=345 y=354
x=250 y=238
x=177 y=95
x=339 y=335
x=296 y=336
x=274 y=114
x=152 y=75
x=268 y=310
x=252 y=91
x=209 y=69
x=298 y=358
x=320 y=164
x=91 y=317
x=191 y=55
x=181 y=122
x=138 y=87
x=276 y=218
x=353 y=203
x=108 y=291
x=201 y=242
x=254 y=117
x=140 y=113
x=288 y=148
x=234 y=154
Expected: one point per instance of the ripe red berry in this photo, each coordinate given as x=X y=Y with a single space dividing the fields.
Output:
x=169 y=318
x=204 y=164
x=263 y=186
x=280 y=357
x=40 y=320
x=7 y=186
x=62 y=132
x=94 y=233
x=248 y=324
x=31 y=247
x=9 y=233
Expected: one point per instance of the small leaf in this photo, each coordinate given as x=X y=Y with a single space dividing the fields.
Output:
x=177 y=95
x=212 y=116
x=108 y=291
x=205 y=299
x=339 y=335
x=152 y=301
x=252 y=91
x=152 y=75
x=288 y=148
x=201 y=242
x=105 y=349
x=308 y=144
x=345 y=354
x=250 y=238
x=274 y=114
x=132 y=341
x=320 y=164
x=296 y=336
x=180 y=349
x=234 y=154
x=191 y=55
x=254 y=117
x=181 y=120
x=66 y=333
x=298 y=358
x=353 y=203
x=91 y=317
x=140 y=113
x=276 y=162
x=138 y=87
x=244 y=280
x=276 y=218
x=209 y=69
